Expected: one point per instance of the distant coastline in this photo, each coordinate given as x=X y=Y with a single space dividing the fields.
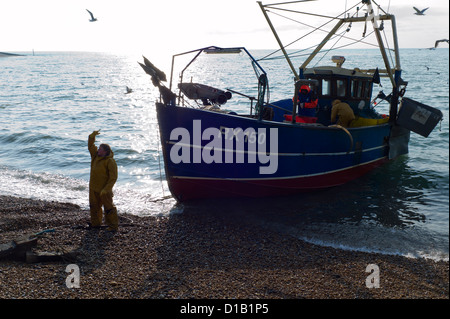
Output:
x=5 y=54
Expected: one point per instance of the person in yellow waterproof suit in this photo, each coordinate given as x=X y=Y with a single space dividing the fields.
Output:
x=343 y=112
x=101 y=182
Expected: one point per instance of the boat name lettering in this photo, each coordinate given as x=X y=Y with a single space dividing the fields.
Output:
x=249 y=135
x=226 y=145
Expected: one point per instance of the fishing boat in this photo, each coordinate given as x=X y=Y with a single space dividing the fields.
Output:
x=273 y=149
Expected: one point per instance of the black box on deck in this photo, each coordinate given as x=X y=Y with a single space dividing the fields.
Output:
x=418 y=117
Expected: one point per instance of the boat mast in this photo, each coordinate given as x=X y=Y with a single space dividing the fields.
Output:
x=322 y=44
x=396 y=47
x=279 y=41
x=380 y=41
x=393 y=110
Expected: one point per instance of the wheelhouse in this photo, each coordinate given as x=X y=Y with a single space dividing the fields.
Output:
x=349 y=85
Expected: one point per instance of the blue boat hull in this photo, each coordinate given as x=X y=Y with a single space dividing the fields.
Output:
x=210 y=154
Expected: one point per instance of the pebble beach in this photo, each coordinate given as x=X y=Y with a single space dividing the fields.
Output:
x=194 y=256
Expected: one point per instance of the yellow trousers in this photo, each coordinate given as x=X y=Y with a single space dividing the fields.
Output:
x=96 y=201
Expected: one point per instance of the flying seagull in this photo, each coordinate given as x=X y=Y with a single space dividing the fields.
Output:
x=92 y=16
x=420 y=12
x=438 y=41
x=129 y=90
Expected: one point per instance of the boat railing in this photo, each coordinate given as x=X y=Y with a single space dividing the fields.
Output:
x=256 y=103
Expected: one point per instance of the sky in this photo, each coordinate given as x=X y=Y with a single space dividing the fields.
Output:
x=176 y=26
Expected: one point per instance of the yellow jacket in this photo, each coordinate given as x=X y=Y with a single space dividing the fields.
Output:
x=103 y=169
x=343 y=112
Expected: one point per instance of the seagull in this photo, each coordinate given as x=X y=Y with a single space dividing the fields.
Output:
x=129 y=90
x=438 y=41
x=420 y=12
x=92 y=16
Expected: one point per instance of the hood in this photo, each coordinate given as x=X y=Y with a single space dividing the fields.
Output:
x=336 y=102
x=111 y=155
x=305 y=87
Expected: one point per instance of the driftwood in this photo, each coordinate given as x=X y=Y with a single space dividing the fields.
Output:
x=18 y=247
x=37 y=257
x=21 y=248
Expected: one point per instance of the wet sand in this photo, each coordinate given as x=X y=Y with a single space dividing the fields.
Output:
x=195 y=256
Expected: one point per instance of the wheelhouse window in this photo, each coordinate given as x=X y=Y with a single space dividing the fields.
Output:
x=367 y=90
x=345 y=88
x=360 y=89
x=326 y=87
x=341 y=88
x=357 y=86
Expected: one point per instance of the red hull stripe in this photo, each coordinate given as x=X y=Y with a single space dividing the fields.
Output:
x=188 y=188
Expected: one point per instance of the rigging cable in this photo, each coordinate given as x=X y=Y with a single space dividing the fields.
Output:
x=293 y=54
x=315 y=29
x=330 y=49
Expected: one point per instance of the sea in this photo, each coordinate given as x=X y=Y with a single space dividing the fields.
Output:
x=51 y=101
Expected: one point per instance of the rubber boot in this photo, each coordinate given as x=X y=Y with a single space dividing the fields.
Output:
x=111 y=219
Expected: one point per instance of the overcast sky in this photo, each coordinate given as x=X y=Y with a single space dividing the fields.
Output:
x=178 y=25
